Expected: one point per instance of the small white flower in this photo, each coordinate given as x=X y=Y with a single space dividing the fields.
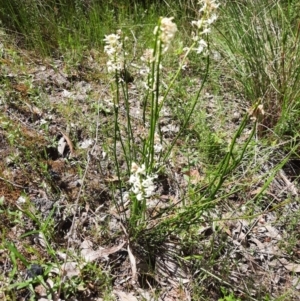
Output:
x=208 y=5
x=198 y=23
x=141 y=184
x=158 y=148
x=149 y=191
x=206 y=31
x=136 y=190
x=139 y=196
x=147 y=182
x=201 y=46
x=148 y=56
x=111 y=67
x=148 y=186
x=112 y=39
x=113 y=49
x=110 y=50
x=195 y=37
x=133 y=179
x=204 y=7
x=141 y=170
x=207 y=17
x=212 y=19
x=168 y=30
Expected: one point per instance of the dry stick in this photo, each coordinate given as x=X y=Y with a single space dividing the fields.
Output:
x=71 y=232
x=12 y=183
x=17 y=185
x=69 y=142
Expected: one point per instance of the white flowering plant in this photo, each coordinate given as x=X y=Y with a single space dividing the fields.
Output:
x=142 y=189
x=145 y=153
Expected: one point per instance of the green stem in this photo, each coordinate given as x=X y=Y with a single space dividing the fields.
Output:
x=167 y=153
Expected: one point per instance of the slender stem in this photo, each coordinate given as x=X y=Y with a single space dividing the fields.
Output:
x=154 y=90
x=130 y=140
x=167 y=153
x=116 y=127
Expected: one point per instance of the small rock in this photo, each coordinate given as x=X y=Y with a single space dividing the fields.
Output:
x=34 y=270
x=236 y=117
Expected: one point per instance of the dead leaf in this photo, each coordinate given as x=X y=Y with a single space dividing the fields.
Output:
x=194 y=176
x=273 y=232
x=258 y=243
x=170 y=128
x=66 y=94
x=69 y=142
x=40 y=239
x=112 y=179
x=133 y=265
x=293 y=267
x=86 y=143
x=40 y=290
x=90 y=255
x=290 y=266
x=296 y=283
x=256 y=191
x=61 y=146
x=71 y=269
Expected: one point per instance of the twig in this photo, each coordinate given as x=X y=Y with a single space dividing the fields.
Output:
x=12 y=183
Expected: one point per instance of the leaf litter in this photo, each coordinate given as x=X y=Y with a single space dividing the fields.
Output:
x=251 y=248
